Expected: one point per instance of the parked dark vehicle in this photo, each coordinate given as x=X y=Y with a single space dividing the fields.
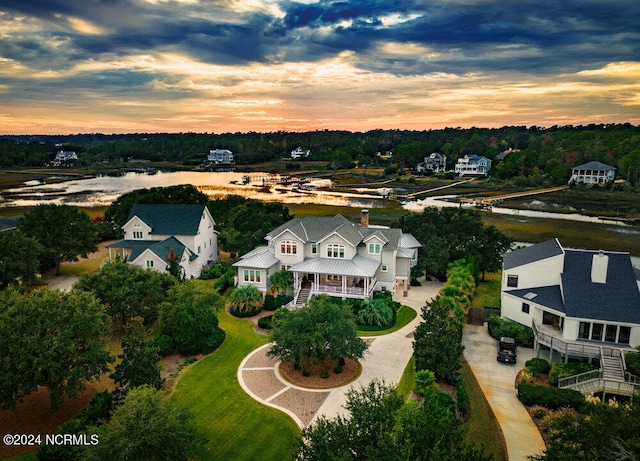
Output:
x=507 y=350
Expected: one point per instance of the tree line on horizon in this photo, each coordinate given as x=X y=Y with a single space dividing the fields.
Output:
x=536 y=150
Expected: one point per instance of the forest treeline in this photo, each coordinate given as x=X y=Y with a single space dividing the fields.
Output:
x=536 y=150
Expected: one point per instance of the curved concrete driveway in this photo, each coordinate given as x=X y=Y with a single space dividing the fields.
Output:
x=386 y=360
x=497 y=381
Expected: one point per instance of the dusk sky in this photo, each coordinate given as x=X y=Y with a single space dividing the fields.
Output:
x=116 y=66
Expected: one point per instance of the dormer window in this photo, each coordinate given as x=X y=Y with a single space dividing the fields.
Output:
x=375 y=248
x=137 y=235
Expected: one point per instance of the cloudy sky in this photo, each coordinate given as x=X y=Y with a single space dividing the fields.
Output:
x=71 y=66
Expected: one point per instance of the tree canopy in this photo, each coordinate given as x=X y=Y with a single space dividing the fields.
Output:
x=51 y=339
x=449 y=234
x=322 y=329
x=147 y=426
x=238 y=234
x=19 y=257
x=381 y=426
x=128 y=290
x=189 y=317
x=63 y=231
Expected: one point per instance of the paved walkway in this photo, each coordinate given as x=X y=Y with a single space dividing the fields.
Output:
x=497 y=381
x=386 y=360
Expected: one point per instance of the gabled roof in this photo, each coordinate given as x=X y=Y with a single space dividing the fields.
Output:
x=163 y=249
x=260 y=258
x=533 y=253
x=160 y=248
x=594 y=166
x=169 y=219
x=617 y=300
x=319 y=228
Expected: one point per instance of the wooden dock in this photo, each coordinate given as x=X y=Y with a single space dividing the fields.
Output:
x=489 y=201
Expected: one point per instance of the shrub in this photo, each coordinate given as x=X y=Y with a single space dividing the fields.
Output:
x=337 y=369
x=563 y=370
x=224 y=282
x=281 y=300
x=165 y=345
x=526 y=376
x=425 y=380
x=462 y=398
x=324 y=374
x=632 y=360
x=538 y=366
x=270 y=303
x=242 y=314
x=306 y=373
x=550 y=397
x=265 y=322
x=500 y=327
x=214 y=341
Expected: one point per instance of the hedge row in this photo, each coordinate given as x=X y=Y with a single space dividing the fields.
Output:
x=500 y=327
x=550 y=397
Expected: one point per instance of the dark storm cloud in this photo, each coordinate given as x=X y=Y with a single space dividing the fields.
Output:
x=537 y=37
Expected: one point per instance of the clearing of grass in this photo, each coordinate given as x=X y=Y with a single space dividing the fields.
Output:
x=488 y=292
x=407 y=381
x=234 y=424
x=403 y=317
x=482 y=426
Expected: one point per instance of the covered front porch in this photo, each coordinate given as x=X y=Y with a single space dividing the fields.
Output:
x=354 y=278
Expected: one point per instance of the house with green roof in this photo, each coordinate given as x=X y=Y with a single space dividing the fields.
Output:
x=157 y=235
x=331 y=255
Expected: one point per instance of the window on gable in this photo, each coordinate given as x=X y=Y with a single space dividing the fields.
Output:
x=314 y=248
x=335 y=250
x=149 y=263
x=288 y=247
x=374 y=248
x=512 y=281
x=137 y=235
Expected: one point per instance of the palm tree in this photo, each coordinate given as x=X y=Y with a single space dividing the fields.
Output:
x=282 y=281
x=245 y=300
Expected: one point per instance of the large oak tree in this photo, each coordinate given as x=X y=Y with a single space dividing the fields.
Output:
x=63 y=231
x=51 y=339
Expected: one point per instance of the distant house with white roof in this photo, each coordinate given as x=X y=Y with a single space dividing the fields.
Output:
x=64 y=156
x=299 y=152
x=331 y=255
x=473 y=165
x=592 y=173
x=220 y=156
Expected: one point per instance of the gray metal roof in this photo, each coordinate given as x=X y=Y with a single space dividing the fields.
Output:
x=359 y=266
x=598 y=166
x=532 y=253
x=617 y=300
x=409 y=241
x=260 y=258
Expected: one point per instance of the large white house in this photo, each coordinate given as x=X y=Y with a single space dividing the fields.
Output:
x=220 y=156
x=581 y=298
x=592 y=173
x=331 y=255
x=155 y=235
x=299 y=152
x=473 y=165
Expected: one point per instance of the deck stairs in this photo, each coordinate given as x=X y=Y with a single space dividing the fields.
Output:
x=303 y=297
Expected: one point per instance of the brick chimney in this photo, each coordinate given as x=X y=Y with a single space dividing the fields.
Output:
x=364 y=218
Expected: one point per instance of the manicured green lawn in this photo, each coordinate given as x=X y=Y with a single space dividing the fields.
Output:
x=237 y=427
x=488 y=292
x=482 y=426
x=403 y=317
x=407 y=381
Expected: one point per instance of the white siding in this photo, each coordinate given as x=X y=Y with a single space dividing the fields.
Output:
x=537 y=274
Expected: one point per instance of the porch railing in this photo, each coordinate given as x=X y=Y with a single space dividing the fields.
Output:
x=338 y=289
x=572 y=349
